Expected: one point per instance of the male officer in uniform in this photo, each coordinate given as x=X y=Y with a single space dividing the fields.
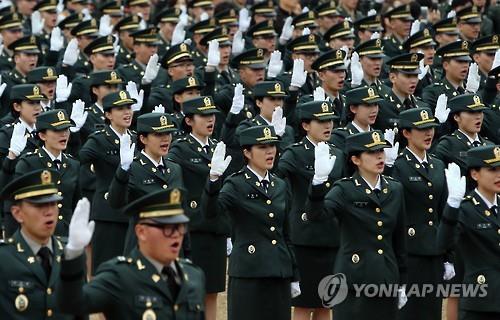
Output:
x=263 y=36
x=400 y=20
x=124 y=28
x=166 y=20
x=10 y=29
x=340 y=35
x=31 y=259
x=367 y=26
x=85 y=32
x=483 y=53
x=152 y=282
x=45 y=78
x=469 y=23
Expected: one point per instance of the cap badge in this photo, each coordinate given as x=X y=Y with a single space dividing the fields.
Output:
x=175 y=196
x=378 y=43
x=371 y=92
x=465 y=45
x=346 y=24
x=260 y=53
x=191 y=81
x=424 y=115
x=324 y=107
x=277 y=87
x=110 y=39
x=267 y=133
x=32 y=40
x=496 y=152
x=123 y=95
x=312 y=38
x=50 y=72
x=113 y=75
x=183 y=47
x=414 y=58
x=477 y=100
x=163 y=121
x=60 y=116
x=494 y=39
x=426 y=33
x=93 y=23
x=376 y=137
x=338 y=54
x=207 y=101
x=46 y=177
x=36 y=90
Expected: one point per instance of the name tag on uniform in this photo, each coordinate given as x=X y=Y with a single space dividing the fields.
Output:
x=148 y=181
x=415 y=179
x=195 y=160
x=252 y=195
x=462 y=154
x=486 y=225
x=112 y=152
x=360 y=204
x=21 y=284
x=310 y=167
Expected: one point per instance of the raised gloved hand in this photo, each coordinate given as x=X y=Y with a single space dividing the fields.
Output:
x=126 y=152
x=347 y=61
x=442 y=110
x=63 y=88
x=356 y=70
x=415 y=27
x=402 y=298
x=71 y=53
x=78 y=115
x=244 y=20
x=229 y=246
x=456 y=185
x=159 y=109
x=105 y=26
x=323 y=163
x=238 y=99
x=295 y=289
x=319 y=94
x=213 y=57
x=86 y=14
x=60 y=7
x=152 y=69
x=179 y=34
x=372 y=12
x=496 y=61
x=131 y=87
x=56 y=39
x=184 y=17
x=449 y=271
x=299 y=75
x=37 y=23
x=391 y=154
x=204 y=16
x=451 y=14
x=306 y=31
x=116 y=46
x=375 y=35
x=219 y=160
x=275 y=64
x=390 y=135
x=305 y=9
x=2 y=86
x=238 y=43
x=473 y=78
x=80 y=228
x=287 y=31
x=278 y=121
x=18 y=139
x=423 y=69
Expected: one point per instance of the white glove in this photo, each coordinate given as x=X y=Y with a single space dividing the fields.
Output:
x=496 y=61
x=2 y=86
x=131 y=87
x=159 y=109
x=238 y=43
x=63 y=89
x=80 y=228
x=18 y=140
x=415 y=27
x=391 y=154
x=295 y=289
x=229 y=247
x=423 y=69
x=319 y=94
x=375 y=35
x=126 y=152
x=179 y=34
x=372 y=12
x=449 y=271
x=356 y=70
x=287 y=31
x=213 y=57
x=278 y=121
x=60 y=7
x=323 y=163
x=306 y=31
x=105 y=27
x=299 y=75
x=442 y=110
x=456 y=185
x=347 y=61
x=451 y=14
x=86 y=14
x=219 y=164
x=78 y=115
x=275 y=64
x=56 y=39
x=389 y=135
x=152 y=69
x=71 y=53
x=184 y=17
x=37 y=23
x=402 y=298
x=244 y=20
x=238 y=99
x=473 y=78
x=204 y=16
x=305 y=9
x=142 y=24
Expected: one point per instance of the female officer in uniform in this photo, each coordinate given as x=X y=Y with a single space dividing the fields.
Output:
x=149 y=171
x=370 y=210
x=472 y=226
x=262 y=264
x=423 y=180
x=102 y=150
x=315 y=243
x=208 y=236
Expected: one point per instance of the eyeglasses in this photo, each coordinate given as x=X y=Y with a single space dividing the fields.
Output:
x=169 y=229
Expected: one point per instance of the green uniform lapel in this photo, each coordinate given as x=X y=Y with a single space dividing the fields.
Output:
x=28 y=258
x=253 y=181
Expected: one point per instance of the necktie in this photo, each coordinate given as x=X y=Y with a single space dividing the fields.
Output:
x=377 y=192
x=44 y=254
x=265 y=184
x=206 y=148
x=338 y=105
x=494 y=210
x=425 y=165
x=57 y=163
x=161 y=168
x=460 y=90
x=171 y=283
x=476 y=143
x=407 y=103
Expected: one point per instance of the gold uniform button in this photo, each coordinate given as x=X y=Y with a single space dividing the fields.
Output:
x=271 y=215
x=193 y=204
x=481 y=279
x=430 y=210
x=304 y=216
x=60 y=217
x=380 y=251
x=411 y=232
x=49 y=312
x=431 y=196
x=274 y=242
x=379 y=237
x=251 y=249
x=59 y=193
x=328 y=184
x=377 y=210
x=355 y=258
x=429 y=184
x=49 y=291
x=59 y=205
x=380 y=223
x=431 y=223
x=268 y=201
x=164 y=186
x=176 y=307
x=498 y=231
x=272 y=228
x=106 y=196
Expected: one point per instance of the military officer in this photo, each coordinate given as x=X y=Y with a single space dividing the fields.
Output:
x=101 y=151
x=302 y=21
x=178 y=61
x=262 y=266
x=312 y=241
x=149 y=283
x=469 y=23
x=403 y=74
x=198 y=31
x=112 y=8
x=11 y=30
x=48 y=14
x=166 y=20
x=229 y=19
x=470 y=225
x=85 y=32
x=445 y=32
x=483 y=53
x=340 y=35
x=423 y=180
x=455 y=60
x=370 y=210
x=31 y=259
x=124 y=28
x=366 y=26
x=326 y=17
x=400 y=20
x=349 y=9
x=490 y=129
x=194 y=155
x=262 y=11
x=45 y=78
x=263 y=36
x=69 y=23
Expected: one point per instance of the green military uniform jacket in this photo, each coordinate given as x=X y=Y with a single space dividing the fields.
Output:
x=6 y=61
x=82 y=65
x=390 y=107
x=372 y=228
x=392 y=46
x=130 y=288
x=134 y=72
x=312 y=82
x=11 y=78
x=425 y=194
x=259 y=224
x=6 y=135
x=124 y=56
x=102 y=152
x=491 y=123
x=199 y=58
x=80 y=90
x=475 y=231
x=26 y=293
x=195 y=164
x=163 y=47
x=296 y=165
x=339 y=135
x=431 y=93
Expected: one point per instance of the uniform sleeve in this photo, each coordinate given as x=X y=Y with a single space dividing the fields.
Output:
x=89 y=151
x=218 y=197
x=286 y=164
x=442 y=151
x=286 y=236
x=429 y=97
x=4 y=144
x=118 y=190
x=449 y=229
x=322 y=203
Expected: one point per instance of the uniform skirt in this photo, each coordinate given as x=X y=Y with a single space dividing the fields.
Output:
x=362 y=307
x=208 y=251
x=314 y=263
x=258 y=299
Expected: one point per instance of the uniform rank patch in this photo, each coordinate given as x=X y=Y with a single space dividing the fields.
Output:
x=415 y=179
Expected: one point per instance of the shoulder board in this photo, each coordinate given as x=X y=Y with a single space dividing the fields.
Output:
x=123 y=259
x=346 y=179
x=67 y=155
x=185 y=261
x=389 y=177
x=237 y=173
x=8 y=125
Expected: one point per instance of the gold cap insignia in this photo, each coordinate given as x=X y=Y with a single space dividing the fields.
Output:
x=414 y=58
x=46 y=177
x=426 y=33
x=163 y=121
x=277 y=87
x=50 y=72
x=424 y=115
x=465 y=45
x=177 y=11
x=191 y=81
x=477 y=100
x=207 y=101
x=60 y=116
x=224 y=31
x=378 y=43
x=36 y=90
x=267 y=133
x=311 y=14
x=232 y=13
x=346 y=24
x=15 y=16
x=123 y=95
x=260 y=53
x=113 y=75
x=175 y=196
x=376 y=137
x=149 y=314
x=338 y=54
x=93 y=23
x=312 y=38
x=32 y=40
x=494 y=39
x=474 y=9
x=212 y=21
x=109 y=39
x=371 y=92
x=135 y=19
x=324 y=107
x=183 y=47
